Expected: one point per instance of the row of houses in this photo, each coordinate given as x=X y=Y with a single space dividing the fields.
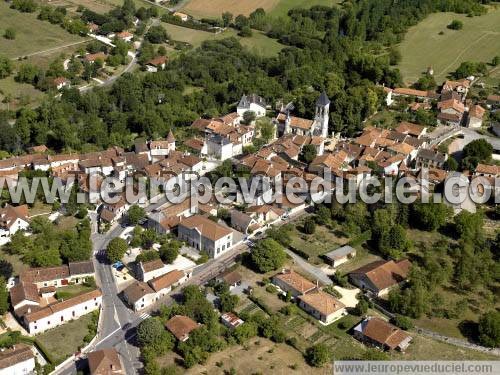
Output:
x=33 y=297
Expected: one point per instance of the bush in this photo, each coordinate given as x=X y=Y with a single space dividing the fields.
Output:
x=455 y=25
x=402 y=322
x=309 y=226
x=318 y=355
x=271 y=289
x=9 y=33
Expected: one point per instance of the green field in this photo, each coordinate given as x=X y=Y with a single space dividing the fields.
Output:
x=282 y=8
x=479 y=40
x=32 y=35
x=258 y=43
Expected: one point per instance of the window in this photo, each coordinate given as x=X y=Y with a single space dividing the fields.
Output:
x=48 y=322
x=73 y=313
x=62 y=318
x=35 y=327
x=85 y=307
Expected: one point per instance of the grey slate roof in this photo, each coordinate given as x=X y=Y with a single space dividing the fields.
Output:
x=340 y=252
x=323 y=99
x=246 y=100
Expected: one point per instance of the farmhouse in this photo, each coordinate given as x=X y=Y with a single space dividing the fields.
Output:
x=339 y=256
x=183 y=16
x=231 y=278
x=105 y=362
x=380 y=276
x=379 y=333
x=181 y=326
x=409 y=128
x=18 y=359
x=125 y=36
x=60 y=82
x=205 y=235
x=322 y=306
x=290 y=281
x=155 y=64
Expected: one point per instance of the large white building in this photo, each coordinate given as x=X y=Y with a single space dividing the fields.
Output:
x=13 y=219
x=205 y=235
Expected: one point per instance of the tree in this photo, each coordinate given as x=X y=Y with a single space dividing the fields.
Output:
x=402 y=322
x=245 y=32
x=309 y=225
x=318 y=355
x=268 y=255
x=245 y=331
x=455 y=25
x=152 y=333
x=266 y=129
x=469 y=226
x=6 y=67
x=147 y=256
x=362 y=307
x=135 y=214
x=228 y=302
x=476 y=152
x=308 y=153
x=9 y=33
x=28 y=74
x=429 y=216
x=248 y=117
x=157 y=35
x=489 y=329
x=169 y=251
x=116 y=249
x=227 y=18
x=4 y=296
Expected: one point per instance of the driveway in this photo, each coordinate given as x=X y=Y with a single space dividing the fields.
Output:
x=348 y=296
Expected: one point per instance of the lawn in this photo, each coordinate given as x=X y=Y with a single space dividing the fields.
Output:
x=257 y=43
x=479 y=40
x=70 y=291
x=32 y=35
x=63 y=341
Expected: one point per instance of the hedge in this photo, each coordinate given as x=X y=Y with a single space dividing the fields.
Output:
x=299 y=252
x=188 y=24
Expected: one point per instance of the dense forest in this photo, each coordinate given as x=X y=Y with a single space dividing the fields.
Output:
x=346 y=51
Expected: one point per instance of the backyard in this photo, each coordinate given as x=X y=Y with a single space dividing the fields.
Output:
x=71 y=334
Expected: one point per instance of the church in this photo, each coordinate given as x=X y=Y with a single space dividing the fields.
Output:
x=318 y=127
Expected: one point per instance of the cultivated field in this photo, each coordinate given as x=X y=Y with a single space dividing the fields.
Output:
x=479 y=40
x=214 y=8
x=258 y=43
x=32 y=35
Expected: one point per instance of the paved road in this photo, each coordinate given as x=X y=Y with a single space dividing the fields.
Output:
x=130 y=65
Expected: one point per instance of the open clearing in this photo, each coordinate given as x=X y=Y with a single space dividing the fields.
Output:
x=479 y=40
x=32 y=35
x=258 y=42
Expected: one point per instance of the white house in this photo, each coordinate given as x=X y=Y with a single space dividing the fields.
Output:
x=222 y=148
x=17 y=360
x=60 y=312
x=139 y=295
x=205 y=235
x=13 y=219
x=322 y=306
x=252 y=103
x=149 y=270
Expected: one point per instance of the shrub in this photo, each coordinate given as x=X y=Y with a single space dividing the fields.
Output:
x=455 y=25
